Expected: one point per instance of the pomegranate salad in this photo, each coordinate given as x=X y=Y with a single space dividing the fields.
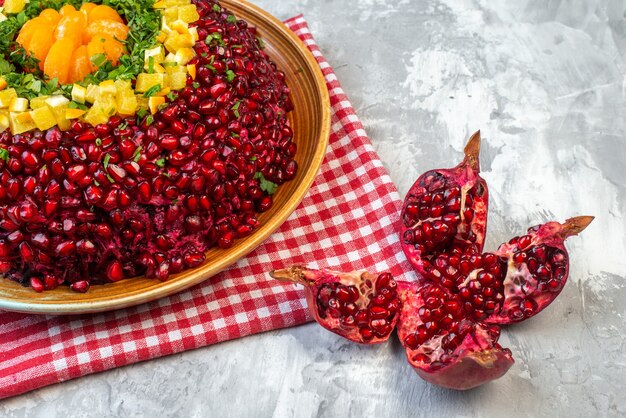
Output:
x=449 y=320
x=135 y=135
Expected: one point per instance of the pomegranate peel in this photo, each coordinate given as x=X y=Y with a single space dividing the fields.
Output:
x=360 y=306
x=445 y=211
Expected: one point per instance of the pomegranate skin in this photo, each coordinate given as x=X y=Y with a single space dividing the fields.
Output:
x=359 y=306
x=445 y=211
x=473 y=370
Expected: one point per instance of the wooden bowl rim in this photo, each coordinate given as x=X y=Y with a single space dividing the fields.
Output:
x=92 y=303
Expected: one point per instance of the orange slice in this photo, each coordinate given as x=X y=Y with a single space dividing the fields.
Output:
x=28 y=30
x=40 y=44
x=80 y=65
x=104 y=12
x=72 y=26
x=109 y=27
x=86 y=8
x=50 y=15
x=105 y=44
x=67 y=10
x=57 y=64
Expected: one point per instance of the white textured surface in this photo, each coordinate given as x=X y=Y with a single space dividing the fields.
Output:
x=545 y=82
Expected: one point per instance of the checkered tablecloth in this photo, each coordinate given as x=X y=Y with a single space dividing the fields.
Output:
x=347 y=221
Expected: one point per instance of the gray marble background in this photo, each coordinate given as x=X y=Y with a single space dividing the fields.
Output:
x=545 y=82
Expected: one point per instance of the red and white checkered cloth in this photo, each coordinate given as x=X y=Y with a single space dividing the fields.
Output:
x=347 y=221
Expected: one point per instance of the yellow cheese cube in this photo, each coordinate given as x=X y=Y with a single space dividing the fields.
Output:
x=58 y=105
x=176 y=41
x=93 y=91
x=6 y=97
x=107 y=87
x=177 y=81
x=38 y=102
x=79 y=93
x=184 y=55
x=14 y=6
x=146 y=81
x=188 y=13
x=43 y=118
x=4 y=121
x=96 y=115
x=19 y=104
x=21 y=122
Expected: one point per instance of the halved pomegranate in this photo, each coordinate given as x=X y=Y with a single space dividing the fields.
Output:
x=445 y=211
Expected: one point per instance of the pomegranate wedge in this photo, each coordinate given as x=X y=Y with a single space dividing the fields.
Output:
x=445 y=211
x=358 y=305
x=445 y=347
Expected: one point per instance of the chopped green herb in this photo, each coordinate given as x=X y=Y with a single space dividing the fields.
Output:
x=266 y=185
x=152 y=90
x=76 y=105
x=107 y=158
x=137 y=154
x=4 y=154
x=260 y=42
x=151 y=65
x=113 y=180
x=215 y=36
x=210 y=67
x=98 y=142
x=160 y=162
x=230 y=75
x=96 y=182
x=195 y=84
x=253 y=158
x=99 y=59
x=234 y=134
x=149 y=120
x=217 y=8
x=141 y=113
x=171 y=96
x=231 y=19
x=235 y=107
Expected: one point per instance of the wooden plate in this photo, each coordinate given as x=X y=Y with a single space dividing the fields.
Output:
x=310 y=122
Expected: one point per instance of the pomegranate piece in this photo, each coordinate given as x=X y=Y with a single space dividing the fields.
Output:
x=358 y=305
x=445 y=211
x=443 y=346
x=538 y=267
